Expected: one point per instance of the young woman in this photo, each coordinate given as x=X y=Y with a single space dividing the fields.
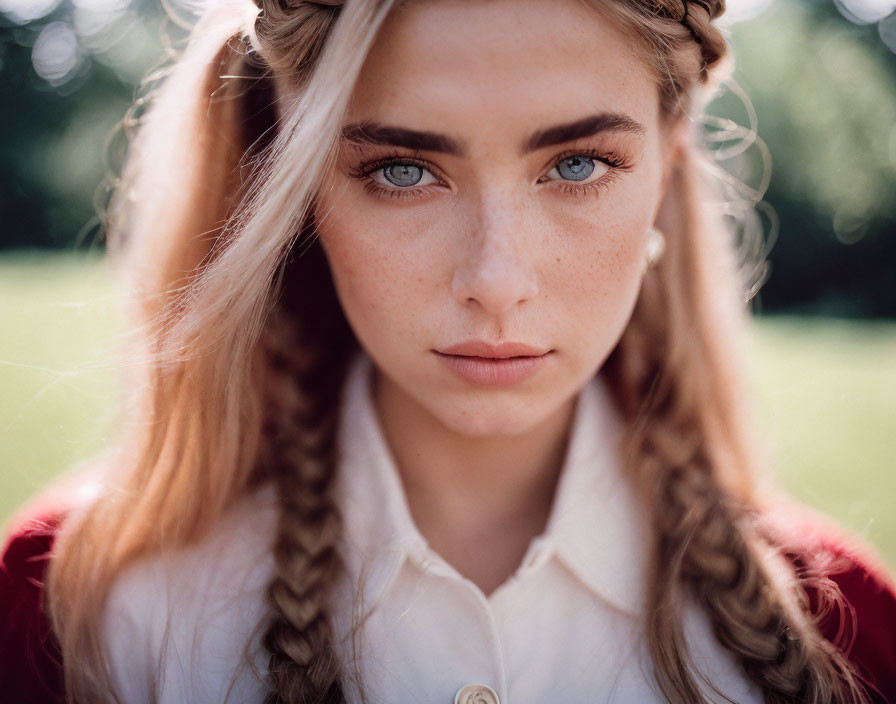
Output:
x=434 y=393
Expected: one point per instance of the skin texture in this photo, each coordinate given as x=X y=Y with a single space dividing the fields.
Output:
x=492 y=245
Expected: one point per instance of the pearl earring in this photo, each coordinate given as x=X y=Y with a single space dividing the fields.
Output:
x=656 y=244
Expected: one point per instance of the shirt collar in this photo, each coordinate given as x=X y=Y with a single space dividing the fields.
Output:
x=595 y=526
x=378 y=530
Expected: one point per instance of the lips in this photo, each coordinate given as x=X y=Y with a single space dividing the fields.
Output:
x=486 y=364
x=500 y=350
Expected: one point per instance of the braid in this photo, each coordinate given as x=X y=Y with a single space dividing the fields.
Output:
x=703 y=545
x=307 y=348
x=304 y=393
x=695 y=17
x=292 y=34
x=307 y=344
x=706 y=542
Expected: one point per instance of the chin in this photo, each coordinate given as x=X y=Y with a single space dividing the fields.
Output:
x=483 y=417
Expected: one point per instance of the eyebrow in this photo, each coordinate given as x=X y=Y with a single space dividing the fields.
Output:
x=374 y=133
x=586 y=127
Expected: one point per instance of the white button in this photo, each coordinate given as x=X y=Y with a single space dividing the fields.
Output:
x=476 y=694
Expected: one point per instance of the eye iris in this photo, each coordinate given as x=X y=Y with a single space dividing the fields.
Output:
x=576 y=168
x=403 y=174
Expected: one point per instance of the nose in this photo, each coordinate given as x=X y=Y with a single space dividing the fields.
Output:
x=497 y=269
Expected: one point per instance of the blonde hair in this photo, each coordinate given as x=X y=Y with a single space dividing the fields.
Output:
x=241 y=350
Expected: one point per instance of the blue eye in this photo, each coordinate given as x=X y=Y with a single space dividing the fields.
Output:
x=574 y=168
x=405 y=174
x=583 y=172
x=400 y=175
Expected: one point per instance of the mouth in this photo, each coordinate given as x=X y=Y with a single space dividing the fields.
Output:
x=486 y=364
x=500 y=350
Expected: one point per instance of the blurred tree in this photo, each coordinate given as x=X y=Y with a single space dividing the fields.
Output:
x=69 y=72
x=825 y=93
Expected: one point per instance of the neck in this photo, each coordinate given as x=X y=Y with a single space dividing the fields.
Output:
x=480 y=499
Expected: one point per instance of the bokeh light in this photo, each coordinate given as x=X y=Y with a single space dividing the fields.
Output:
x=741 y=10
x=56 y=55
x=24 y=11
x=887 y=31
x=98 y=23
x=866 y=11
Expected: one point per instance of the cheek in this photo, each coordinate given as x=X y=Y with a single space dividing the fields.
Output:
x=381 y=275
x=599 y=287
x=599 y=262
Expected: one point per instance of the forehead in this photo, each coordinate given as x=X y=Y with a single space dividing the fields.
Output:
x=474 y=66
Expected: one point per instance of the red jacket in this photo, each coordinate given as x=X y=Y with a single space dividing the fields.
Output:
x=31 y=669
x=30 y=661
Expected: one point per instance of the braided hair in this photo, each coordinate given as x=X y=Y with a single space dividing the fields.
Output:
x=707 y=547
x=307 y=350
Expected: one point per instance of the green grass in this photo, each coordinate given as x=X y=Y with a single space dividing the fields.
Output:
x=826 y=393
x=58 y=321
x=827 y=400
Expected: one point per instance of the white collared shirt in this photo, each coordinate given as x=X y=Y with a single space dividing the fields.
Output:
x=566 y=626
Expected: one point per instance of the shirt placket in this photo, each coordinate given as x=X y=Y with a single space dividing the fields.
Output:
x=479 y=671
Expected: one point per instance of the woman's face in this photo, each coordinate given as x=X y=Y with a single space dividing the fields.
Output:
x=486 y=220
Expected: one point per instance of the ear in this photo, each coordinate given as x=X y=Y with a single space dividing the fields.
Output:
x=676 y=138
x=677 y=133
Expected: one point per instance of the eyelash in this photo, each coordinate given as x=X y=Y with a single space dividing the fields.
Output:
x=616 y=163
x=367 y=168
x=611 y=159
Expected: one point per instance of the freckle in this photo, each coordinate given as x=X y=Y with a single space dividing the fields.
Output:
x=419 y=278
x=558 y=259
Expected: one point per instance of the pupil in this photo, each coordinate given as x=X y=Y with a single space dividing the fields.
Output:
x=403 y=174
x=576 y=168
